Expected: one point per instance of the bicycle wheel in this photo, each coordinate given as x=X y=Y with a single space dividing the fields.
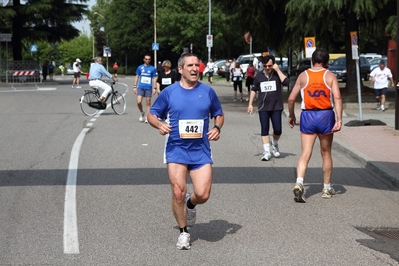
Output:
x=118 y=103
x=87 y=98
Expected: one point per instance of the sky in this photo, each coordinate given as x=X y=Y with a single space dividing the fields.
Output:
x=84 y=25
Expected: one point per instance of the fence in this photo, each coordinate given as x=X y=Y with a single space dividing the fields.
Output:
x=18 y=72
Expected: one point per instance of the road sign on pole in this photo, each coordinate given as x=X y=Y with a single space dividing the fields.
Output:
x=33 y=48
x=209 y=41
x=155 y=46
x=310 y=46
x=5 y=37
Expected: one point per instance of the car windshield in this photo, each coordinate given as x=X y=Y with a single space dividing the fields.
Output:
x=375 y=61
x=339 y=62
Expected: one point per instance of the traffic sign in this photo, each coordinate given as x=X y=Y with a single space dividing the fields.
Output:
x=310 y=46
x=155 y=46
x=5 y=37
x=33 y=48
x=209 y=40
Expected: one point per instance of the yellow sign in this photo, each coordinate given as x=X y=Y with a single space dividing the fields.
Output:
x=310 y=42
x=310 y=46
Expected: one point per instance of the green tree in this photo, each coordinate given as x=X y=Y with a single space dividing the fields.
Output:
x=322 y=18
x=35 y=20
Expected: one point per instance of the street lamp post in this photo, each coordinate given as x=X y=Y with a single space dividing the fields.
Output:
x=92 y=35
x=155 y=32
x=106 y=35
x=209 y=28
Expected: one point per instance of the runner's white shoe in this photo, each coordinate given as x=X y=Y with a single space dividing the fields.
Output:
x=275 y=150
x=141 y=118
x=183 y=242
x=191 y=213
x=266 y=156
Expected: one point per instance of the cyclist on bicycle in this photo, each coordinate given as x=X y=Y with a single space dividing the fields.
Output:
x=97 y=71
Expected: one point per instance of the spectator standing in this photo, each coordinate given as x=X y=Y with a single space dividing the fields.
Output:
x=115 y=68
x=51 y=70
x=237 y=74
x=320 y=92
x=62 y=68
x=76 y=73
x=45 y=69
x=268 y=84
x=145 y=86
x=249 y=81
x=227 y=66
x=380 y=76
x=187 y=151
x=210 y=66
x=201 y=69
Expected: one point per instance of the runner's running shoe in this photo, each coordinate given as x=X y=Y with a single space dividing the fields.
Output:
x=275 y=150
x=183 y=242
x=298 y=192
x=327 y=193
x=266 y=156
x=191 y=213
x=141 y=118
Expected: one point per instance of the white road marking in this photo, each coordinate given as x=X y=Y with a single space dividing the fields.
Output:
x=46 y=89
x=71 y=241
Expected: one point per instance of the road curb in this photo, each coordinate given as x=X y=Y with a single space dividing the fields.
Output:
x=376 y=168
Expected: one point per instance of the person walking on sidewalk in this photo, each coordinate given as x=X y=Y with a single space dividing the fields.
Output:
x=320 y=94
x=210 y=65
x=249 y=81
x=237 y=74
x=190 y=105
x=380 y=76
x=145 y=86
x=76 y=73
x=268 y=83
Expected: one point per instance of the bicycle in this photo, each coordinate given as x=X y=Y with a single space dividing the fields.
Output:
x=90 y=104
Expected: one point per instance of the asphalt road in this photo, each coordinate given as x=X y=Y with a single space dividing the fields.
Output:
x=122 y=196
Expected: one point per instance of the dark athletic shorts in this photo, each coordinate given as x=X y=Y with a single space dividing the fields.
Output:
x=379 y=92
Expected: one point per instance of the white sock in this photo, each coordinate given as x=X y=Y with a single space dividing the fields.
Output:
x=382 y=106
x=327 y=186
x=266 y=147
x=274 y=142
x=299 y=180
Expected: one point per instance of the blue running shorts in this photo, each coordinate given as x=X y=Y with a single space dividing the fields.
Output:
x=317 y=121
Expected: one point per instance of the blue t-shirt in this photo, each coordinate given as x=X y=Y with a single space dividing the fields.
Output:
x=146 y=74
x=189 y=107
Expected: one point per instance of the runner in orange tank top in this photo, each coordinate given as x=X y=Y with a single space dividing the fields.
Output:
x=316 y=94
x=318 y=88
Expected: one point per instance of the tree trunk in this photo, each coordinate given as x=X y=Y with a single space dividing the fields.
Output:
x=351 y=24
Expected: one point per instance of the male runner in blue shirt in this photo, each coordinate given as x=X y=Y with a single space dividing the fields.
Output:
x=189 y=105
x=145 y=85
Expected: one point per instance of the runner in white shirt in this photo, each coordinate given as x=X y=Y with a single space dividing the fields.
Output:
x=380 y=77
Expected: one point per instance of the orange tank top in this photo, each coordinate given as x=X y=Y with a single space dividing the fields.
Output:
x=316 y=95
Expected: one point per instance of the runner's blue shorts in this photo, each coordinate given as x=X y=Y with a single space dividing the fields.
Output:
x=317 y=121
x=144 y=93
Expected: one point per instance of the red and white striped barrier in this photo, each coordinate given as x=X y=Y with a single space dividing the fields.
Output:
x=23 y=73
